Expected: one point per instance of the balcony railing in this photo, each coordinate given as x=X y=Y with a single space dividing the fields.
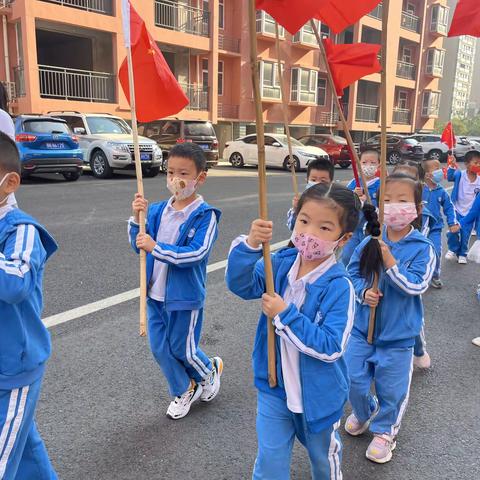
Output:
x=19 y=78
x=401 y=116
x=228 y=111
x=406 y=70
x=182 y=18
x=229 y=44
x=366 y=113
x=11 y=89
x=377 y=12
x=327 y=119
x=439 y=28
x=97 y=6
x=410 y=22
x=73 y=84
x=197 y=96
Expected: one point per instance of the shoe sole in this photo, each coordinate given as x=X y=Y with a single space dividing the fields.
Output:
x=194 y=399
x=366 y=425
x=384 y=459
x=219 y=365
x=451 y=258
x=437 y=286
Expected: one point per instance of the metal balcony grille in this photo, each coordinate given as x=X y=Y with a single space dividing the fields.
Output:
x=182 y=18
x=366 y=113
x=229 y=44
x=410 y=22
x=401 y=116
x=228 y=111
x=197 y=96
x=97 y=6
x=406 y=70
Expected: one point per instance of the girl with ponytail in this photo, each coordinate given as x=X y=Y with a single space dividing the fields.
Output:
x=404 y=261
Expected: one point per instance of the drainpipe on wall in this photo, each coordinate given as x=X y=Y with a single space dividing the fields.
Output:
x=5 y=49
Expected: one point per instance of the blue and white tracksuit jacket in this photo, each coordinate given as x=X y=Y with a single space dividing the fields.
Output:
x=174 y=325
x=437 y=200
x=399 y=319
x=359 y=233
x=320 y=331
x=25 y=247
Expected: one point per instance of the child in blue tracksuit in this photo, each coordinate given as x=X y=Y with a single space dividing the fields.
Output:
x=25 y=247
x=369 y=163
x=405 y=261
x=312 y=314
x=180 y=235
x=318 y=171
x=465 y=189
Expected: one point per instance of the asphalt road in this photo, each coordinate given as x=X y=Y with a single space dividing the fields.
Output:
x=102 y=411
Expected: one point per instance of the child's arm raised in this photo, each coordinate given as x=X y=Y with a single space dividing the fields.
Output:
x=22 y=257
x=325 y=340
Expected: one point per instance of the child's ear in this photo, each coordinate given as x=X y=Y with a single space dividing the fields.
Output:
x=202 y=177
x=12 y=183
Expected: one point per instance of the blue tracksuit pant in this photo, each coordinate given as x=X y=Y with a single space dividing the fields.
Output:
x=277 y=428
x=458 y=242
x=435 y=236
x=390 y=369
x=23 y=455
x=174 y=338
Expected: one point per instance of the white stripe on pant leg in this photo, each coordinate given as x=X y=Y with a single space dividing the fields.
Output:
x=194 y=349
x=396 y=425
x=13 y=435
x=337 y=457
x=188 y=345
x=12 y=404
x=333 y=459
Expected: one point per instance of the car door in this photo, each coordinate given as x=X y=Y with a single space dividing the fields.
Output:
x=84 y=139
x=274 y=155
x=248 y=149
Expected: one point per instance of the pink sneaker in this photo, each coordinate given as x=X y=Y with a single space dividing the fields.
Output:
x=381 y=448
x=354 y=427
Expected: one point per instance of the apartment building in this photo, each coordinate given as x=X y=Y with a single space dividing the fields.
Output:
x=65 y=55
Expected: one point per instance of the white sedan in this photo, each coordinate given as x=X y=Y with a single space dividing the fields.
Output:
x=243 y=151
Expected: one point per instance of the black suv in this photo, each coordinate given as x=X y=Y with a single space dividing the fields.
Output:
x=398 y=148
x=167 y=133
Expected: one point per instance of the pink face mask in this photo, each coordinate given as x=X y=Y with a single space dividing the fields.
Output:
x=400 y=215
x=313 y=248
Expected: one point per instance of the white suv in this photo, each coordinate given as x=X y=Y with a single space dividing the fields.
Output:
x=435 y=149
x=107 y=144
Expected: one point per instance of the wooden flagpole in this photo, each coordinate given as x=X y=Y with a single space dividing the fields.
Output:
x=343 y=120
x=262 y=186
x=383 y=149
x=285 y=111
x=138 y=171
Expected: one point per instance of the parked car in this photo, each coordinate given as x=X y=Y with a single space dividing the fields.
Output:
x=47 y=145
x=464 y=145
x=335 y=146
x=398 y=148
x=434 y=148
x=107 y=144
x=167 y=133
x=243 y=151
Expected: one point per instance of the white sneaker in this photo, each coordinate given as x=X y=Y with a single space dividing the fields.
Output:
x=450 y=255
x=462 y=260
x=423 y=362
x=180 y=407
x=211 y=385
x=476 y=341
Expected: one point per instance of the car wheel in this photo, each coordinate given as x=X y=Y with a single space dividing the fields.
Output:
x=151 y=172
x=71 y=176
x=164 y=166
x=236 y=160
x=344 y=164
x=287 y=165
x=394 y=158
x=99 y=165
x=434 y=155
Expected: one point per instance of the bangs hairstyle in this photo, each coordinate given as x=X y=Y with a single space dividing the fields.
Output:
x=9 y=156
x=371 y=151
x=191 y=151
x=344 y=201
x=323 y=165
x=371 y=260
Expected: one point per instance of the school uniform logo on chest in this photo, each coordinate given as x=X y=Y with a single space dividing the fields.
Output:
x=191 y=233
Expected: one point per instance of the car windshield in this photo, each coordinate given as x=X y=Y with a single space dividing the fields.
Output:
x=112 y=125
x=194 y=129
x=45 y=126
x=283 y=139
x=340 y=140
x=411 y=141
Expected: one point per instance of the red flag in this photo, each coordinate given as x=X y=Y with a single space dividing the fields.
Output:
x=351 y=62
x=294 y=14
x=157 y=92
x=466 y=19
x=448 y=136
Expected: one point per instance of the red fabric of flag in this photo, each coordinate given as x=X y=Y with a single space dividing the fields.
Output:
x=294 y=14
x=466 y=19
x=157 y=92
x=351 y=62
x=448 y=136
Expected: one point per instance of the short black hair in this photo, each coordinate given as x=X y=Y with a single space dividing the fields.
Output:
x=191 y=151
x=321 y=164
x=371 y=151
x=426 y=163
x=469 y=156
x=9 y=156
x=3 y=98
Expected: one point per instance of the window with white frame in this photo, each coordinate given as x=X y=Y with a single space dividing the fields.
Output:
x=435 y=62
x=269 y=80
x=439 y=22
x=402 y=100
x=221 y=14
x=430 y=103
x=306 y=35
x=266 y=25
x=220 y=77
x=304 y=85
x=322 y=92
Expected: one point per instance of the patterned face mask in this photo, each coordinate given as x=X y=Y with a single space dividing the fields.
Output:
x=399 y=215
x=369 y=170
x=181 y=189
x=313 y=248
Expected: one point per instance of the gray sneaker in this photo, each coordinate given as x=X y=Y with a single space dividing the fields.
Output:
x=437 y=283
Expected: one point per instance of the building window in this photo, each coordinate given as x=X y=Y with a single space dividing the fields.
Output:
x=430 y=104
x=205 y=74
x=407 y=55
x=402 y=99
x=266 y=25
x=306 y=34
x=439 y=22
x=221 y=14
x=435 y=61
x=304 y=85
x=269 y=80
x=220 y=78
x=322 y=92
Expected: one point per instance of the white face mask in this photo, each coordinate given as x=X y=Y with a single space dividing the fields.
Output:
x=2 y=181
x=369 y=170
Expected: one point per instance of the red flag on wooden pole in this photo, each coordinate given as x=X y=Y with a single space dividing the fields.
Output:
x=466 y=19
x=448 y=136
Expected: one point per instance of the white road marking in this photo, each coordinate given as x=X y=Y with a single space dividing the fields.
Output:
x=94 y=307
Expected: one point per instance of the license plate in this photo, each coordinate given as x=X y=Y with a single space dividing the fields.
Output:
x=55 y=145
x=205 y=146
x=145 y=156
